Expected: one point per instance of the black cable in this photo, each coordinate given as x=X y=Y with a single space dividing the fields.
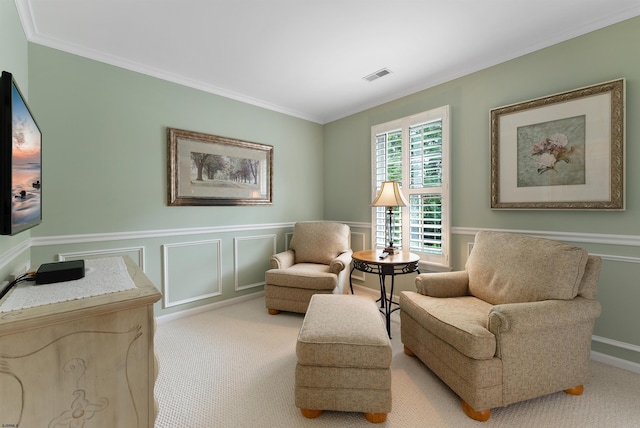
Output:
x=24 y=277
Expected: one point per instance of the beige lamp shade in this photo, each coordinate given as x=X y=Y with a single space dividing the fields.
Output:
x=389 y=196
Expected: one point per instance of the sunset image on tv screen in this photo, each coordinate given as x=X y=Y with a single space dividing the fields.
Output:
x=26 y=177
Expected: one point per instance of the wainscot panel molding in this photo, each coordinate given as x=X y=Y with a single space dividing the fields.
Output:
x=358 y=243
x=136 y=254
x=260 y=251
x=188 y=268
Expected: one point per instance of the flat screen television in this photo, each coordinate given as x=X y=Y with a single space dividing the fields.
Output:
x=20 y=161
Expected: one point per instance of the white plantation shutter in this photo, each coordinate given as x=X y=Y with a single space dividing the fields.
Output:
x=414 y=151
x=388 y=148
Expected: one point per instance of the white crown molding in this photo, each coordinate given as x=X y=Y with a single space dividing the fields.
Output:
x=34 y=36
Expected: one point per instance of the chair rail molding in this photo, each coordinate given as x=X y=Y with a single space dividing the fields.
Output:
x=591 y=238
x=8 y=256
x=41 y=241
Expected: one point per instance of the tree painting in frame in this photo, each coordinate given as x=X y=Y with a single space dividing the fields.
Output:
x=563 y=151
x=207 y=169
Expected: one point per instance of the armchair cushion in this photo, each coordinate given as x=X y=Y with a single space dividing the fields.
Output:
x=311 y=276
x=459 y=321
x=319 y=242
x=512 y=268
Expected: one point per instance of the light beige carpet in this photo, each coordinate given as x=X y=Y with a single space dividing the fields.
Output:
x=233 y=367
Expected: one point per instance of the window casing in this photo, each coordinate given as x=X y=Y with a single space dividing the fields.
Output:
x=415 y=152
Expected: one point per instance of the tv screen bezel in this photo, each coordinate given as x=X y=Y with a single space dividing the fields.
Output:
x=7 y=128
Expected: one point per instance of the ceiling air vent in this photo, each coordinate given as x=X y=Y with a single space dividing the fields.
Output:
x=378 y=74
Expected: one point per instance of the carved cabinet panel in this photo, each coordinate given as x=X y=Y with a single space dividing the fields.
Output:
x=83 y=363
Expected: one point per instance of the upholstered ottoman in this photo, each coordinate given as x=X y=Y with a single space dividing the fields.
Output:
x=344 y=358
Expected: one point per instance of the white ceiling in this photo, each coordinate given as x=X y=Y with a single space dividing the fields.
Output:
x=307 y=58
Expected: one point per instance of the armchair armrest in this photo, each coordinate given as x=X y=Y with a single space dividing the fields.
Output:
x=528 y=328
x=539 y=316
x=339 y=263
x=283 y=260
x=443 y=284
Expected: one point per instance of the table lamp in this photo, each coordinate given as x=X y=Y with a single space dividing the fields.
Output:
x=389 y=196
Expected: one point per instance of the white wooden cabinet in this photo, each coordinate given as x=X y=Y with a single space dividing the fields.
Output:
x=86 y=363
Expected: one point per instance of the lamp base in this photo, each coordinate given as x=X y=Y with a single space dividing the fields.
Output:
x=391 y=250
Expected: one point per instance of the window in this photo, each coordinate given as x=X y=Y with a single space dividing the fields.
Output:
x=415 y=152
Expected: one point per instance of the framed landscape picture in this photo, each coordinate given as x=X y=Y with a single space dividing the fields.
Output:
x=207 y=169
x=563 y=151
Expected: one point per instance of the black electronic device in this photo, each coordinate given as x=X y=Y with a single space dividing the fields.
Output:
x=49 y=273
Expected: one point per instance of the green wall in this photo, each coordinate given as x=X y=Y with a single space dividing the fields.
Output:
x=583 y=61
x=105 y=178
x=14 y=250
x=106 y=149
x=597 y=57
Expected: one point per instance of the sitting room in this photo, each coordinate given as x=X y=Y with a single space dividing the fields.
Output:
x=185 y=143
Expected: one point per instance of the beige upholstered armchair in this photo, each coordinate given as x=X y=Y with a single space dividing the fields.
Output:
x=514 y=325
x=317 y=262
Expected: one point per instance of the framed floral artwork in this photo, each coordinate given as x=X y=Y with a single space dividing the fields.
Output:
x=563 y=151
x=208 y=169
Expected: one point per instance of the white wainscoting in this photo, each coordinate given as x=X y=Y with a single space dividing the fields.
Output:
x=247 y=250
x=136 y=253
x=199 y=263
x=358 y=243
x=173 y=269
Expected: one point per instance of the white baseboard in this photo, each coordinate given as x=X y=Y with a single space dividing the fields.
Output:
x=615 y=361
x=189 y=312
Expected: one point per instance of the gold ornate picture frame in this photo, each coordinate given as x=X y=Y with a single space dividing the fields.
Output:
x=208 y=169
x=563 y=151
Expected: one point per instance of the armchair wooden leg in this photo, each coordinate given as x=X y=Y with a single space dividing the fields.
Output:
x=376 y=418
x=576 y=390
x=273 y=312
x=481 y=416
x=408 y=351
x=310 y=413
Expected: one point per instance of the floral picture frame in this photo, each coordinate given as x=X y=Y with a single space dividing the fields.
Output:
x=208 y=169
x=563 y=151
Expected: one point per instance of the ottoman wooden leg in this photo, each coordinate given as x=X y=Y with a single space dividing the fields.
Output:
x=376 y=418
x=273 y=312
x=311 y=414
